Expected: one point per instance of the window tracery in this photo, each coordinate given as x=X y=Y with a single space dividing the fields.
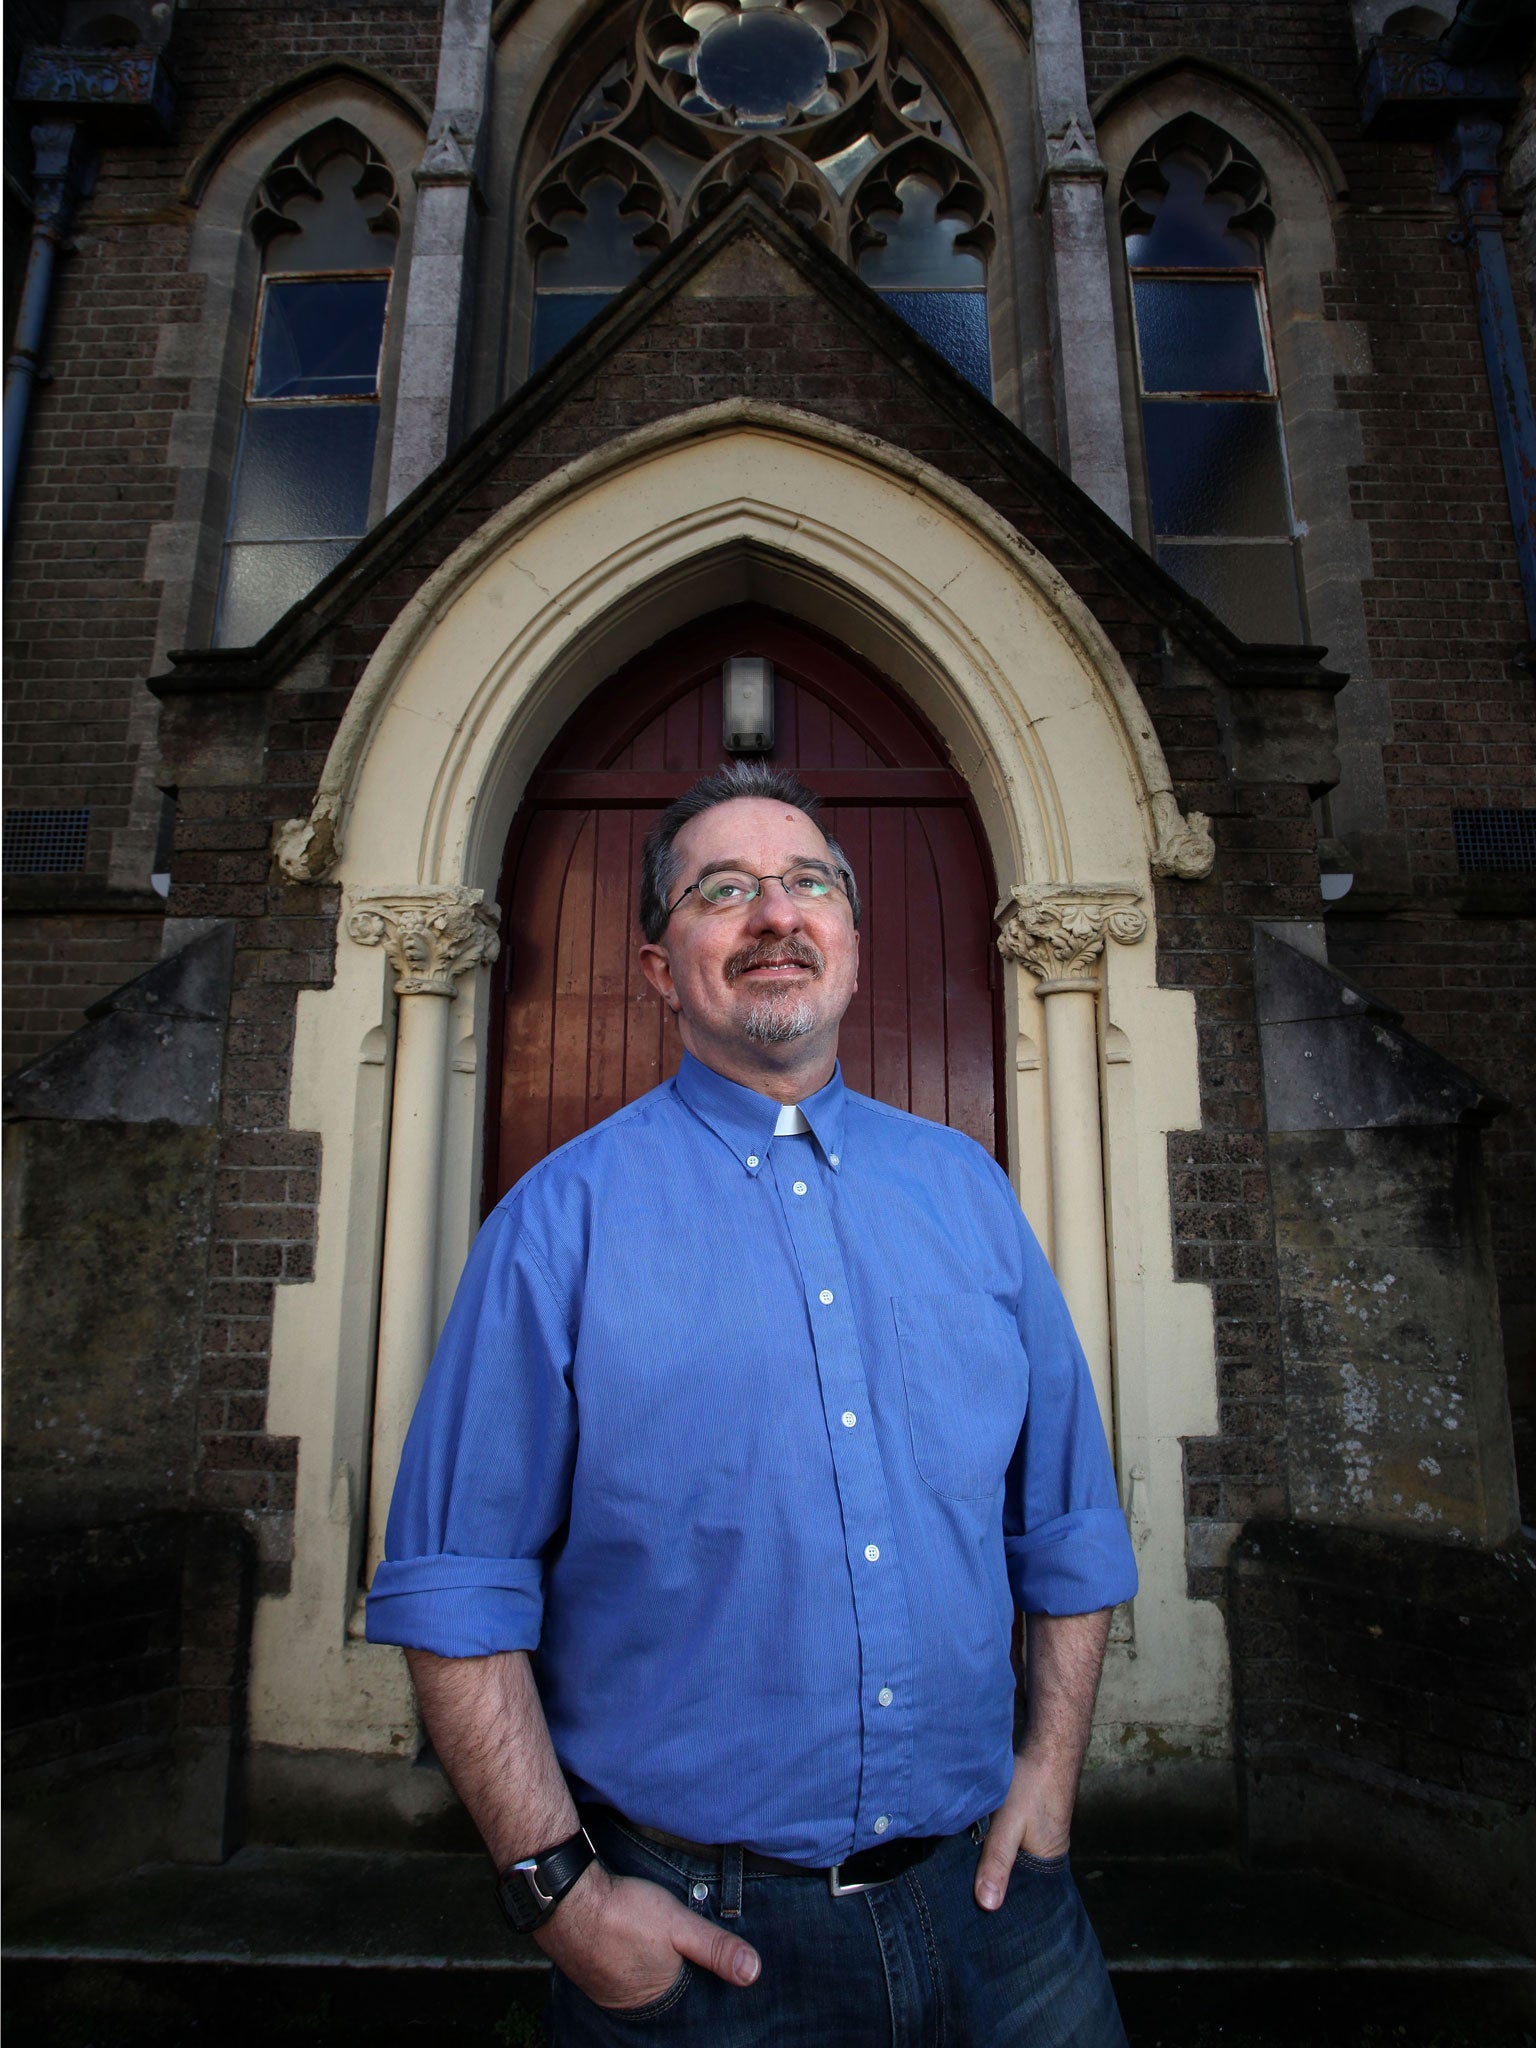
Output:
x=812 y=100
x=1196 y=212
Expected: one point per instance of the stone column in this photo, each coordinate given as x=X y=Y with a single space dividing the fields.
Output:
x=438 y=308
x=431 y=936
x=1057 y=931
x=1089 y=425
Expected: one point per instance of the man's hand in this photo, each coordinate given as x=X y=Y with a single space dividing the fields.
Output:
x=623 y=1941
x=1065 y=1653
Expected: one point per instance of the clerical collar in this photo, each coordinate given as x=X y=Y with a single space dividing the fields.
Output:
x=791 y=1121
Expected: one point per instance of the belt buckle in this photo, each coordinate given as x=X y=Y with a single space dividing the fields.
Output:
x=844 y=1891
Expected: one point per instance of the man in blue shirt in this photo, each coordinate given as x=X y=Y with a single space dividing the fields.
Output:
x=756 y=1414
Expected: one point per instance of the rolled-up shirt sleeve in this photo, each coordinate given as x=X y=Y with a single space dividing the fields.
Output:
x=485 y=1478
x=1064 y=1532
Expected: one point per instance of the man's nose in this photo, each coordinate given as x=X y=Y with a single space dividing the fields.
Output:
x=773 y=908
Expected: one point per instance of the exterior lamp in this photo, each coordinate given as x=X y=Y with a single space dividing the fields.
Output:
x=746 y=721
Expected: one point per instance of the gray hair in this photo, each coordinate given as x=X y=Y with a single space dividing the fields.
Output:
x=732 y=780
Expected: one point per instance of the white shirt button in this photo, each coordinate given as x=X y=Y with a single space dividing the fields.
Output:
x=885 y=1695
x=882 y=1823
x=849 y=1418
x=825 y=1297
x=834 y=1159
x=799 y=1187
x=751 y=1159
x=701 y=1891
x=872 y=1552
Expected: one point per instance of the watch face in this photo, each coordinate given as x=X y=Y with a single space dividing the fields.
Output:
x=524 y=1904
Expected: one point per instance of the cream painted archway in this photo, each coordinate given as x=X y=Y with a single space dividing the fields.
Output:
x=460 y=701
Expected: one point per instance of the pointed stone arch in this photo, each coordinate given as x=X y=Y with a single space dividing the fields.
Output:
x=1230 y=82
x=336 y=74
x=776 y=523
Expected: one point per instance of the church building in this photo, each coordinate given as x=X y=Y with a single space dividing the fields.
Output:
x=1092 y=442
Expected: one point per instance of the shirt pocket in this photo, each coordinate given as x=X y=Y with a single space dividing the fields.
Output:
x=967 y=1380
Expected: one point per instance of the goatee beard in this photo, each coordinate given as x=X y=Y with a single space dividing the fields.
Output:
x=776 y=1022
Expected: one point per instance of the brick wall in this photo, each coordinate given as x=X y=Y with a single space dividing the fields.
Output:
x=81 y=613
x=126 y=1651
x=56 y=967
x=92 y=1633
x=1393 y=1679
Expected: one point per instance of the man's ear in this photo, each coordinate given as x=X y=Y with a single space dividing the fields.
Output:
x=855 y=963
x=657 y=969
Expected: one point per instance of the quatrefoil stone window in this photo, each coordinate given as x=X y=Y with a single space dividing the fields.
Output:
x=760 y=63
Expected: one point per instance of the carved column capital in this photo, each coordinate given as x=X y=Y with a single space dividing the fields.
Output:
x=430 y=935
x=1058 y=930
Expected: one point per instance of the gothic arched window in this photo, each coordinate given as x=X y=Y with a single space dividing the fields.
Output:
x=327 y=222
x=812 y=99
x=1195 y=209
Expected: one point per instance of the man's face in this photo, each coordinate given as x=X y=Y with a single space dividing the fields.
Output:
x=764 y=986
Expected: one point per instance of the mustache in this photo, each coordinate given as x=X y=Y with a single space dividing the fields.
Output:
x=775 y=953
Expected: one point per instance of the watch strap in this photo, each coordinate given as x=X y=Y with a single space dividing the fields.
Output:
x=532 y=1887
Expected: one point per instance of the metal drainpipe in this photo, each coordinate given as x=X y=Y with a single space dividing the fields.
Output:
x=65 y=171
x=1469 y=159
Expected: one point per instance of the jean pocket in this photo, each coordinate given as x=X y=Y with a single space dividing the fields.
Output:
x=1046 y=1865
x=654 y=2008
x=966 y=1380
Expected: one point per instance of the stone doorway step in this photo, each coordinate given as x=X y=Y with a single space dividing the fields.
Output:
x=321 y=1946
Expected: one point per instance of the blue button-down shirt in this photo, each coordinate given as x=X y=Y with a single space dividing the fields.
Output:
x=755 y=1441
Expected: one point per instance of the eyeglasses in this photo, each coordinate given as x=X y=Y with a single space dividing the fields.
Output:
x=733 y=889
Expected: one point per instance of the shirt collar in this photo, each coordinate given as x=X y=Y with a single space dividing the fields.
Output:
x=745 y=1120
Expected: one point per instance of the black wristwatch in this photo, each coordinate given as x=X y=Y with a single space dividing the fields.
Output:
x=532 y=1887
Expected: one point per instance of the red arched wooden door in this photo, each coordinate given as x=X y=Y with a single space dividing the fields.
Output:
x=580 y=1030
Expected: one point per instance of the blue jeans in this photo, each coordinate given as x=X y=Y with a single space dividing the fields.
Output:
x=913 y=1964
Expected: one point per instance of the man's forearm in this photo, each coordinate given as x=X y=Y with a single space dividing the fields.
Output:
x=487 y=1725
x=1065 y=1656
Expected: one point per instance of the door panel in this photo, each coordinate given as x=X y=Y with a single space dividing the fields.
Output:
x=579 y=1029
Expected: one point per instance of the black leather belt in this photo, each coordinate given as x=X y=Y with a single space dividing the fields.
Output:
x=879 y=1864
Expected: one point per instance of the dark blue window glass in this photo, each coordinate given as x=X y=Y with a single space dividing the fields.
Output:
x=305 y=472
x=262 y=579
x=558 y=317
x=763 y=65
x=955 y=323
x=320 y=338
x=1216 y=468
x=1200 y=334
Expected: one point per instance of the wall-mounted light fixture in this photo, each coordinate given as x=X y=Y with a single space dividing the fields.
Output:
x=747 y=704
